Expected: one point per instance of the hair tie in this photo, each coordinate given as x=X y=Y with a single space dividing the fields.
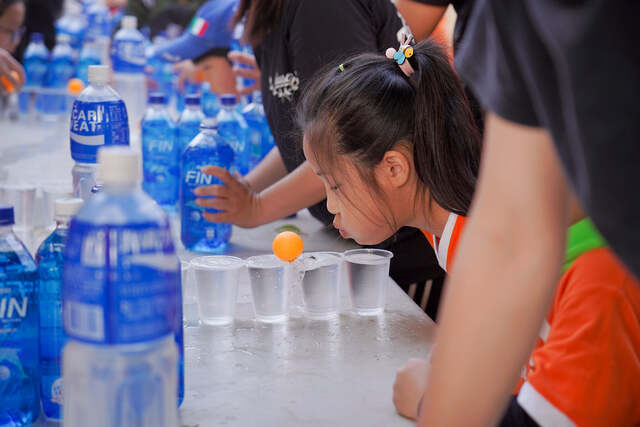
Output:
x=402 y=55
x=341 y=67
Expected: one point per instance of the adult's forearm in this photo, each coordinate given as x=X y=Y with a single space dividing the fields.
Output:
x=270 y=170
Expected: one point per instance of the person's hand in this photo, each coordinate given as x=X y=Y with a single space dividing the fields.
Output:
x=9 y=69
x=186 y=70
x=239 y=204
x=409 y=387
x=252 y=73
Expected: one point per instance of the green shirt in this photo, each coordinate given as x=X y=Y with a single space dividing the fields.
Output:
x=581 y=238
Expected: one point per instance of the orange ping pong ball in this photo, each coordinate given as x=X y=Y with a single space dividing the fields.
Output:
x=287 y=246
x=7 y=84
x=75 y=86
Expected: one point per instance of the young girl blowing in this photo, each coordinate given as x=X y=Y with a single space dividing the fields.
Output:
x=394 y=142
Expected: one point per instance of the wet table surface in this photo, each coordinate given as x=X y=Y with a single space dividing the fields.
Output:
x=336 y=372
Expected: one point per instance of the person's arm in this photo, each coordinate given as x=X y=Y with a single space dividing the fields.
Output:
x=421 y=17
x=502 y=280
x=242 y=206
x=267 y=172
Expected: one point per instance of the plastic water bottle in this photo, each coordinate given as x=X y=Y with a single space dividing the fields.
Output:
x=233 y=130
x=237 y=44
x=61 y=70
x=98 y=117
x=89 y=55
x=36 y=63
x=19 y=398
x=207 y=149
x=189 y=122
x=160 y=166
x=52 y=338
x=259 y=136
x=160 y=70
x=128 y=60
x=210 y=101
x=99 y=28
x=73 y=24
x=120 y=298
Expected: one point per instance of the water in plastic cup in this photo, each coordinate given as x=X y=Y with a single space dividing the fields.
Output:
x=368 y=278
x=269 y=287
x=22 y=198
x=217 y=283
x=321 y=283
x=190 y=315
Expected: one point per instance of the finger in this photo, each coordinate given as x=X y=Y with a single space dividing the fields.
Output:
x=16 y=68
x=242 y=58
x=217 y=203
x=217 y=217
x=221 y=173
x=246 y=73
x=212 y=190
x=249 y=89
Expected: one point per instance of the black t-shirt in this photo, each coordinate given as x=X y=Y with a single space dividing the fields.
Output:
x=572 y=68
x=463 y=10
x=310 y=35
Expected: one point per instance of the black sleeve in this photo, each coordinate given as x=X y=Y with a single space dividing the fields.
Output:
x=433 y=2
x=327 y=31
x=488 y=62
x=515 y=416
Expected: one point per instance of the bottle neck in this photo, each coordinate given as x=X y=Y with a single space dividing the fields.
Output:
x=119 y=188
x=62 y=223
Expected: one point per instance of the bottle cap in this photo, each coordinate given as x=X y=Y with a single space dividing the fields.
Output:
x=36 y=37
x=67 y=207
x=129 y=22
x=157 y=98
x=6 y=215
x=98 y=74
x=118 y=165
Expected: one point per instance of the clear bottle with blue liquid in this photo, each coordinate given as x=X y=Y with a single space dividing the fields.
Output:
x=189 y=122
x=207 y=149
x=53 y=101
x=73 y=24
x=128 y=58
x=19 y=397
x=210 y=101
x=89 y=55
x=121 y=298
x=98 y=117
x=259 y=134
x=160 y=166
x=36 y=64
x=49 y=259
x=232 y=128
x=99 y=27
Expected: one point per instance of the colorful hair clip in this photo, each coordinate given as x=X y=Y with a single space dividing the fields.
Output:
x=401 y=56
x=341 y=67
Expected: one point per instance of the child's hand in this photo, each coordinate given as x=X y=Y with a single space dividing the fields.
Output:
x=252 y=73
x=409 y=387
x=239 y=204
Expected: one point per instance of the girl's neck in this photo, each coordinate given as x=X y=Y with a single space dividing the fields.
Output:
x=430 y=217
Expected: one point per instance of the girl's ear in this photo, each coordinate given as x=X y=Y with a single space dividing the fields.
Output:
x=395 y=169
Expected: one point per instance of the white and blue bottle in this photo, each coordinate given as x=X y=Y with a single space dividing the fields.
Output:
x=89 y=55
x=121 y=296
x=207 y=149
x=61 y=69
x=49 y=259
x=232 y=128
x=99 y=28
x=160 y=166
x=210 y=101
x=128 y=60
x=259 y=134
x=19 y=397
x=189 y=122
x=98 y=117
x=36 y=63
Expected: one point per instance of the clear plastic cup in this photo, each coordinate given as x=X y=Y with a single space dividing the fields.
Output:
x=368 y=278
x=269 y=287
x=22 y=198
x=190 y=315
x=321 y=283
x=217 y=280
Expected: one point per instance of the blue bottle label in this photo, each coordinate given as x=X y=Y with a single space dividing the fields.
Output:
x=160 y=169
x=36 y=70
x=120 y=283
x=94 y=124
x=128 y=56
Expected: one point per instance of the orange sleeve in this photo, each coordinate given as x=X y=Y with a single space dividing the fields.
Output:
x=589 y=366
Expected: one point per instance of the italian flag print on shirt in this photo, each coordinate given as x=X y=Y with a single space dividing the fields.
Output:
x=198 y=27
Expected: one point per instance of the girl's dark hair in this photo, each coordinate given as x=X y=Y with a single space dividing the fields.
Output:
x=4 y=4
x=365 y=110
x=260 y=17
